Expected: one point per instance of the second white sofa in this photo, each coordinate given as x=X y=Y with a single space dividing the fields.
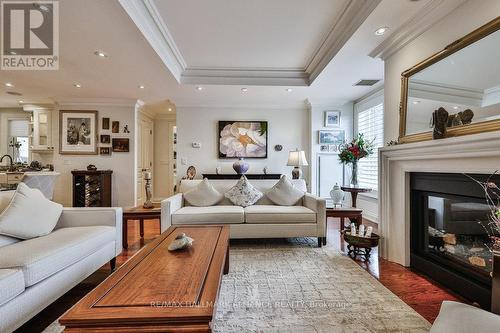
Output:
x=262 y=220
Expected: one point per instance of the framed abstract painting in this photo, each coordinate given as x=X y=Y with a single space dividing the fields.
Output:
x=246 y=139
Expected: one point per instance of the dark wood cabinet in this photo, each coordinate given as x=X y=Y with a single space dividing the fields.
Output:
x=92 y=188
x=236 y=176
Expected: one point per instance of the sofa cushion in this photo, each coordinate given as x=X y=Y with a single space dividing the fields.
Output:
x=29 y=214
x=284 y=193
x=243 y=193
x=211 y=214
x=279 y=214
x=6 y=240
x=203 y=195
x=41 y=257
x=11 y=284
x=463 y=318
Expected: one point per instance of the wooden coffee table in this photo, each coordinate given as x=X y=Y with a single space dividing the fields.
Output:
x=158 y=290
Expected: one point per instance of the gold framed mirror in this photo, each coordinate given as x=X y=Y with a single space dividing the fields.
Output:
x=463 y=78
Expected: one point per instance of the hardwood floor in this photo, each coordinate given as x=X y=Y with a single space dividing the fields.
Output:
x=421 y=293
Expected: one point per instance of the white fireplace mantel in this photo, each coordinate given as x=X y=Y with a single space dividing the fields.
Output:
x=478 y=153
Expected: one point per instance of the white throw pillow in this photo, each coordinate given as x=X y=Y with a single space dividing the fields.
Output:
x=243 y=193
x=29 y=214
x=283 y=193
x=203 y=195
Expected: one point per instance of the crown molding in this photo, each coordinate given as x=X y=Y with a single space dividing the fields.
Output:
x=353 y=15
x=119 y=102
x=300 y=105
x=149 y=21
x=419 y=23
x=146 y=17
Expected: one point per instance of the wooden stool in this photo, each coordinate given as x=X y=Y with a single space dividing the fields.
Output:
x=139 y=213
x=354 y=214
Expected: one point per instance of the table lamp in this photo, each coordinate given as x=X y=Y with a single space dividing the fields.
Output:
x=297 y=158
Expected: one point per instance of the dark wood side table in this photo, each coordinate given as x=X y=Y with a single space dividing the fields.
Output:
x=354 y=192
x=354 y=214
x=139 y=213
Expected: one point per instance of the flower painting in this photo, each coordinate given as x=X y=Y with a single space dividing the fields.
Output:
x=243 y=139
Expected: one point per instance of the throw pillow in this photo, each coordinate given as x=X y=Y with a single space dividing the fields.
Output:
x=243 y=193
x=283 y=193
x=29 y=214
x=203 y=195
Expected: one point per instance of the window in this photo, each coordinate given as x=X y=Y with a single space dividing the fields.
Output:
x=370 y=122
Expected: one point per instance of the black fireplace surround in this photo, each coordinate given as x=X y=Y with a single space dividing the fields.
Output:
x=449 y=242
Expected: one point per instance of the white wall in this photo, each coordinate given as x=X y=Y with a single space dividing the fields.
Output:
x=469 y=16
x=317 y=122
x=122 y=164
x=286 y=126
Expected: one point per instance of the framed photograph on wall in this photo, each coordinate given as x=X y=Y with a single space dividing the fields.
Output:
x=331 y=137
x=121 y=145
x=78 y=132
x=105 y=150
x=115 y=127
x=105 y=123
x=332 y=118
x=105 y=138
x=246 y=139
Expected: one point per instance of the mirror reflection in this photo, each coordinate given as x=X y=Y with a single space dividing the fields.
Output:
x=466 y=84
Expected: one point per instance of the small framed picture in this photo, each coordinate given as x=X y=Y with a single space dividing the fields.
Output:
x=324 y=148
x=332 y=118
x=331 y=137
x=105 y=138
x=105 y=123
x=121 y=145
x=115 y=127
x=333 y=148
x=105 y=150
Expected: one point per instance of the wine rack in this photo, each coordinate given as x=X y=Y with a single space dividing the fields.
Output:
x=92 y=188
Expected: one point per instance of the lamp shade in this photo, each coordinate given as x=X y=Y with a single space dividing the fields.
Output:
x=297 y=158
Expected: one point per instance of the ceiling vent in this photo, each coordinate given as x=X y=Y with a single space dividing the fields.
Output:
x=15 y=93
x=366 y=83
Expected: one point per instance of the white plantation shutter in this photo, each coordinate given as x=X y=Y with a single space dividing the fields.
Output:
x=370 y=122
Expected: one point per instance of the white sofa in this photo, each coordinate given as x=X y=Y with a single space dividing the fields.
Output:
x=262 y=220
x=35 y=272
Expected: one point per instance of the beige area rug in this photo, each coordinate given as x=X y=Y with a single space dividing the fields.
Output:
x=296 y=287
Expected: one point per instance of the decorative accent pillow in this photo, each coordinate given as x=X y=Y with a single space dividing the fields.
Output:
x=283 y=193
x=243 y=193
x=29 y=214
x=203 y=195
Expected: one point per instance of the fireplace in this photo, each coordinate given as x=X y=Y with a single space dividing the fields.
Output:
x=449 y=240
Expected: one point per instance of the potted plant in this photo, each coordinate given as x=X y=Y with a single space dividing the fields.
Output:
x=351 y=153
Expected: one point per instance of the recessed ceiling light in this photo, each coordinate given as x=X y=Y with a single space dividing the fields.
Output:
x=199 y=88
x=141 y=87
x=288 y=89
x=20 y=102
x=455 y=108
x=244 y=89
x=9 y=85
x=416 y=102
x=380 y=31
x=77 y=85
x=100 y=54
x=169 y=109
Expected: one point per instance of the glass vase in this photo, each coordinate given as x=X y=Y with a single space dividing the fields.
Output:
x=354 y=174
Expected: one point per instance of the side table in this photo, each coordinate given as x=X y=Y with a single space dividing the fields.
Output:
x=354 y=214
x=139 y=213
x=354 y=192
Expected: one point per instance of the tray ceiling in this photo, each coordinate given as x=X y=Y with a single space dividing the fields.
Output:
x=222 y=42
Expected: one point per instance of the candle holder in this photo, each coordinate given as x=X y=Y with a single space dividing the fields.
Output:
x=148 y=203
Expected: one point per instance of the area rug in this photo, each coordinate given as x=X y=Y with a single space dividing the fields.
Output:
x=293 y=286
